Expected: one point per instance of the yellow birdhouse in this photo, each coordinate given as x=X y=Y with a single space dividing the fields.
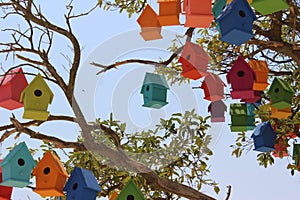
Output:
x=36 y=98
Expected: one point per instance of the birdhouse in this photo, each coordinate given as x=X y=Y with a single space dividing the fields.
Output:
x=36 y=98
x=198 y=13
x=82 y=184
x=17 y=167
x=130 y=192
x=280 y=113
x=217 y=111
x=154 y=90
x=11 y=87
x=169 y=12
x=213 y=87
x=150 y=26
x=241 y=77
x=236 y=22
x=264 y=137
x=194 y=61
x=281 y=93
x=280 y=148
x=261 y=71
x=266 y=7
x=256 y=98
x=296 y=154
x=50 y=176
x=218 y=7
x=5 y=191
x=242 y=117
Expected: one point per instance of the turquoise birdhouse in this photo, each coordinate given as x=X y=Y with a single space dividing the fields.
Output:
x=281 y=93
x=242 y=117
x=154 y=90
x=130 y=192
x=264 y=137
x=266 y=7
x=218 y=7
x=17 y=167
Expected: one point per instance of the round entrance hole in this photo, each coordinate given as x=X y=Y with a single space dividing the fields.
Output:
x=21 y=162
x=242 y=13
x=241 y=73
x=46 y=170
x=130 y=197
x=75 y=186
x=38 y=93
x=276 y=90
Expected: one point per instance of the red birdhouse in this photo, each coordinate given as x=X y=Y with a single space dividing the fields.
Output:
x=241 y=77
x=11 y=88
x=50 y=176
x=150 y=26
x=5 y=192
x=257 y=96
x=217 y=110
x=169 y=12
x=198 y=13
x=194 y=61
x=261 y=71
x=213 y=87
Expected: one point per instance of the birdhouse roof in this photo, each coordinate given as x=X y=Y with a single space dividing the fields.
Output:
x=148 y=17
x=263 y=128
x=11 y=75
x=213 y=80
x=130 y=185
x=240 y=63
x=284 y=84
x=151 y=78
x=219 y=104
x=259 y=65
x=196 y=49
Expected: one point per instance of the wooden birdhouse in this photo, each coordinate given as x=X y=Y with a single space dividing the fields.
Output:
x=256 y=98
x=17 y=167
x=280 y=113
x=261 y=71
x=217 y=111
x=218 y=7
x=266 y=7
x=236 y=22
x=154 y=90
x=130 y=192
x=11 y=87
x=198 y=13
x=150 y=26
x=5 y=191
x=36 y=98
x=280 y=148
x=264 y=137
x=281 y=93
x=169 y=12
x=241 y=77
x=296 y=154
x=194 y=61
x=82 y=184
x=242 y=117
x=50 y=176
x=213 y=87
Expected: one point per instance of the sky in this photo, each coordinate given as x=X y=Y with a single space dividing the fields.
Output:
x=109 y=36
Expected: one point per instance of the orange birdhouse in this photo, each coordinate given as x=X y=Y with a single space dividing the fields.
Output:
x=280 y=113
x=50 y=176
x=213 y=87
x=150 y=26
x=261 y=71
x=198 y=13
x=169 y=12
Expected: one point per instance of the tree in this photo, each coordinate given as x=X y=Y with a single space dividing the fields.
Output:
x=276 y=40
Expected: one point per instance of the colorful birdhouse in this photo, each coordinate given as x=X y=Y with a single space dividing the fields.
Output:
x=50 y=176
x=194 y=61
x=198 y=13
x=154 y=90
x=218 y=7
x=36 y=98
x=266 y=7
x=82 y=184
x=5 y=191
x=150 y=26
x=130 y=192
x=256 y=98
x=236 y=22
x=280 y=148
x=217 y=110
x=281 y=93
x=261 y=71
x=241 y=77
x=296 y=154
x=264 y=137
x=242 y=117
x=213 y=87
x=17 y=167
x=11 y=87
x=169 y=12
x=280 y=113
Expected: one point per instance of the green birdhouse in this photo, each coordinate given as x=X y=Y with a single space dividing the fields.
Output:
x=266 y=7
x=242 y=117
x=131 y=192
x=296 y=154
x=154 y=90
x=281 y=94
x=36 y=98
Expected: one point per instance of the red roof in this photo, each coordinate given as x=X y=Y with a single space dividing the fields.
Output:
x=10 y=75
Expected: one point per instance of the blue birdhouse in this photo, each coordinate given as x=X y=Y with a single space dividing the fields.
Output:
x=154 y=90
x=236 y=22
x=17 y=167
x=82 y=184
x=264 y=137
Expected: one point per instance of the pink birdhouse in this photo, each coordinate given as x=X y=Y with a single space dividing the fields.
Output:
x=217 y=110
x=241 y=77
x=213 y=87
x=194 y=61
x=5 y=191
x=11 y=87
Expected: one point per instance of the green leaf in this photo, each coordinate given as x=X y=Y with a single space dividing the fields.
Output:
x=217 y=189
